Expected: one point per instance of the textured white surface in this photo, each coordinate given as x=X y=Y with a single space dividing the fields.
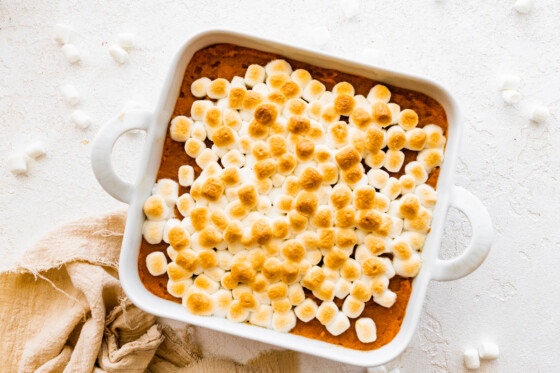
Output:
x=510 y=163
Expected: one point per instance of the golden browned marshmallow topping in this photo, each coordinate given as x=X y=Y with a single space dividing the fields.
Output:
x=284 y=204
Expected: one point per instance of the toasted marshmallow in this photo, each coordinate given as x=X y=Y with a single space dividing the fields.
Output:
x=222 y=300
x=200 y=86
x=343 y=88
x=379 y=92
x=326 y=238
x=539 y=113
x=80 y=119
x=155 y=208
x=523 y=7
x=119 y=54
x=435 y=139
x=313 y=90
x=511 y=96
x=276 y=82
x=186 y=175
x=407 y=184
x=381 y=114
x=218 y=88
x=199 y=108
x=342 y=288
x=417 y=171
x=71 y=53
x=199 y=303
x=409 y=206
x=283 y=322
x=375 y=160
x=360 y=117
x=194 y=147
x=254 y=75
x=71 y=95
x=237 y=313
x=168 y=189
x=416 y=139
x=366 y=330
x=470 y=355
x=488 y=351
x=62 y=34
x=430 y=158
x=377 y=178
x=387 y=299
x=392 y=188
x=326 y=312
x=262 y=316
x=307 y=310
x=344 y=104
x=179 y=288
x=408 y=267
x=205 y=158
x=408 y=119
x=339 y=324
x=180 y=128
x=394 y=160
x=338 y=134
x=302 y=77
x=353 y=307
x=152 y=231
x=278 y=66
x=396 y=138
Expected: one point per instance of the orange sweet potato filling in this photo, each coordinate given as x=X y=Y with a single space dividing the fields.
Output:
x=227 y=61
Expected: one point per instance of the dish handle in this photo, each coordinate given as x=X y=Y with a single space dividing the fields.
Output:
x=102 y=150
x=481 y=240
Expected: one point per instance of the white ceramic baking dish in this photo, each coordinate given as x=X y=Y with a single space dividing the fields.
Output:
x=156 y=122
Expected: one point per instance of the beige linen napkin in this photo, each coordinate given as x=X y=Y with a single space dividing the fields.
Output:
x=62 y=310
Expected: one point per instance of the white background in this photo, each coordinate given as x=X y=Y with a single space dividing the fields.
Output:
x=513 y=165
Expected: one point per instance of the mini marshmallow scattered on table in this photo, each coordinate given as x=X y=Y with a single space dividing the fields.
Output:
x=35 y=149
x=17 y=164
x=71 y=53
x=125 y=40
x=118 y=54
x=488 y=351
x=379 y=369
x=523 y=6
x=71 y=95
x=539 y=113
x=62 y=34
x=81 y=119
x=350 y=8
x=283 y=198
x=471 y=358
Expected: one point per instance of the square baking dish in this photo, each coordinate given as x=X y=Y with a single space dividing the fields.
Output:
x=156 y=123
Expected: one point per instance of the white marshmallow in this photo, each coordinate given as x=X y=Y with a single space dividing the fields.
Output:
x=278 y=67
x=179 y=288
x=488 y=351
x=199 y=108
x=366 y=330
x=262 y=317
x=407 y=267
x=427 y=195
x=171 y=252
x=511 y=96
x=156 y=263
x=523 y=6
x=70 y=52
x=284 y=322
x=125 y=40
x=35 y=149
x=539 y=113
x=509 y=81
x=62 y=34
x=395 y=112
x=417 y=172
x=81 y=119
x=387 y=299
x=471 y=359
x=186 y=175
x=435 y=136
x=339 y=324
x=71 y=95
x=319 y=36
x=17 y=164
x=152 y=231
x=118 y=54
x=350 y=8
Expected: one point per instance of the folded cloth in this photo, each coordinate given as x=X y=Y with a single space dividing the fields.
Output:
x=62 y=309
